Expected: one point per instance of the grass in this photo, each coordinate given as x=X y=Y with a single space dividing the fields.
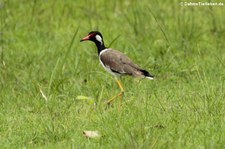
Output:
x=44 y=68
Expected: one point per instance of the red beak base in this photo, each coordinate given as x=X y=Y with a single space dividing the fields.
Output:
x=85 y=38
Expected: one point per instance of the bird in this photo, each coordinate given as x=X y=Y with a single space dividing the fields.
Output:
x=116 y=63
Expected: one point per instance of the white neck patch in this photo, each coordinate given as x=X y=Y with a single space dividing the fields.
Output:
x=98 y=38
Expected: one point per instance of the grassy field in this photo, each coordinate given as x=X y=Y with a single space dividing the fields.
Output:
x=44 y=69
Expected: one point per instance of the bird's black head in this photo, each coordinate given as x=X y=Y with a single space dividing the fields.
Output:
x=97 y=38
x=94 y=36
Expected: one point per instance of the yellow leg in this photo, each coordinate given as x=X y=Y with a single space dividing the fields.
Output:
x=120 y=85
x=120 y=94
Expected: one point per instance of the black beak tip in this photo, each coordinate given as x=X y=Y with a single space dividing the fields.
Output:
x=81 y=40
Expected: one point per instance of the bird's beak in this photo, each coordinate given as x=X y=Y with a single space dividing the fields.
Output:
x=85 y=38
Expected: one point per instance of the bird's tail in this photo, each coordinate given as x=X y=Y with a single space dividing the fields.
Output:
x=147 y=74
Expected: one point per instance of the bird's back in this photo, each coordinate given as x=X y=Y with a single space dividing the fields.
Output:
x=120 y=63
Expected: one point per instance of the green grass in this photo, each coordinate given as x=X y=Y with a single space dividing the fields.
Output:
x=40 y=55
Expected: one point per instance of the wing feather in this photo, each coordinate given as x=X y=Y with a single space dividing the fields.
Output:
x=120 y=63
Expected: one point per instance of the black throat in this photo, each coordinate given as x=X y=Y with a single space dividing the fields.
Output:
x=100 y=46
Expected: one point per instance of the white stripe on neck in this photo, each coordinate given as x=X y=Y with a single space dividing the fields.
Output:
x=103 y=51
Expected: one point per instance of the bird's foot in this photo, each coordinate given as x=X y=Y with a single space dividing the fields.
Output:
x=109 y=102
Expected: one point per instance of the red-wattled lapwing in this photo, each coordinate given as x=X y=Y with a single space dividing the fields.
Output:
x=115 y=62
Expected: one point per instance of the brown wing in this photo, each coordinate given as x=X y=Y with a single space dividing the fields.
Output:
x=120 y=63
